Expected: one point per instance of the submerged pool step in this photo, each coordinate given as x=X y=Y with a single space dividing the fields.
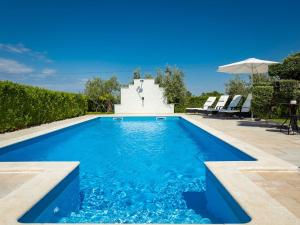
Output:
x=161 y=118
x=118 y=118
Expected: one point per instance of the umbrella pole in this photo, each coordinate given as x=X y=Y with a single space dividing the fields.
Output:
x=252 y=116
x=251 y=84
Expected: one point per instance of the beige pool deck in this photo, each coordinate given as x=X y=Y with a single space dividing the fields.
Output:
x=267 y=189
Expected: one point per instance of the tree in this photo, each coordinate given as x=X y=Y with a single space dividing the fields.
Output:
x=137 y=74
x=111 y=93
x=259 y=79
x=148 y=76
x=159 y=77
x=93 y=90
x=178 y=86
x=103 y=93
x=212 y=93
x=198 y=101
x=174 y=87
x=237 y=86
x=172 y=80
x=288 y=69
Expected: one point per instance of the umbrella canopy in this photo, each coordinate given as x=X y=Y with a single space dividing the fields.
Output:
x=249 y=66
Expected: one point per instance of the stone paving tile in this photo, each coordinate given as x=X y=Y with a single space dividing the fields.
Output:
x=260 y=134
x=11 y=181
x=282 y=186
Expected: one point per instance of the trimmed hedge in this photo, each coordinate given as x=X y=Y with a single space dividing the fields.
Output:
x=23 y=106
x=273 y=100
x=262 y=100
x=197 y=101
x=286 y=90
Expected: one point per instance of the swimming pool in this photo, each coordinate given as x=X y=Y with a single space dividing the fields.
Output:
x=137 y=170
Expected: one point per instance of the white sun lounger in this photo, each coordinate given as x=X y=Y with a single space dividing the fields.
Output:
x=233 y=104
x=209 y=102
x=247 y=104
x=220 y=104
x=245 y=110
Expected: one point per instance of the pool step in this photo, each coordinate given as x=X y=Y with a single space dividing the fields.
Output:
x=161 y=118
x=118 y=118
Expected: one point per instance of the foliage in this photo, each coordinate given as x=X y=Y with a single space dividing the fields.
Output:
x=172 y=80
x=262 y=100
x=174 y=87
x=237 y=86
x=287 y=85
x=297 y=95
x=289 y=69
x=23 y=106
x=159 y=79
x=93 y=89
x=212 y=93
x=102 y=94
x=148 y=76
x=282 y=92
x=137 y=74
x=198 y=101
x=286 y=90
x=261 y=80
x=99 y=113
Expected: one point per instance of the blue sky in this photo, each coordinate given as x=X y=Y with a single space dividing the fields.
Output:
x=60 y=44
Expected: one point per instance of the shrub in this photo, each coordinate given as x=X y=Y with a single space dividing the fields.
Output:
x=237 y=86
x=102 y=94
x=23 y=106
x=286 y=90
x=262 y=100
x=197 y=101
x=297 y=94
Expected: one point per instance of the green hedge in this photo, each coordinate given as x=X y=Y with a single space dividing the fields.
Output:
x=286 y=90
x=297 y=94
x=197 y=101
x=23 y=106
x=273 y=101
x=262 y=100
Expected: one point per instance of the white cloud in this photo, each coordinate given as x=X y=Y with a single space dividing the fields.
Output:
x=21 y=49
x=48 y=72
x=10 y=66
x=18 y=48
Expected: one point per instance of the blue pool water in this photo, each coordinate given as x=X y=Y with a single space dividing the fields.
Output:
x=136 y=170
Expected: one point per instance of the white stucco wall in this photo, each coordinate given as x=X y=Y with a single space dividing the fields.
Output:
x=132 y=98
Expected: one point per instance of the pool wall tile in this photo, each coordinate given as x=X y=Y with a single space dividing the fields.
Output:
x=221 y=204
x=59 y=202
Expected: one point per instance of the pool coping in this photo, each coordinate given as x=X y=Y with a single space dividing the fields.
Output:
x=258 y=204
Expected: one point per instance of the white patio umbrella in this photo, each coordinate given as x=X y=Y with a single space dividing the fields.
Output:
x=249 y=66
